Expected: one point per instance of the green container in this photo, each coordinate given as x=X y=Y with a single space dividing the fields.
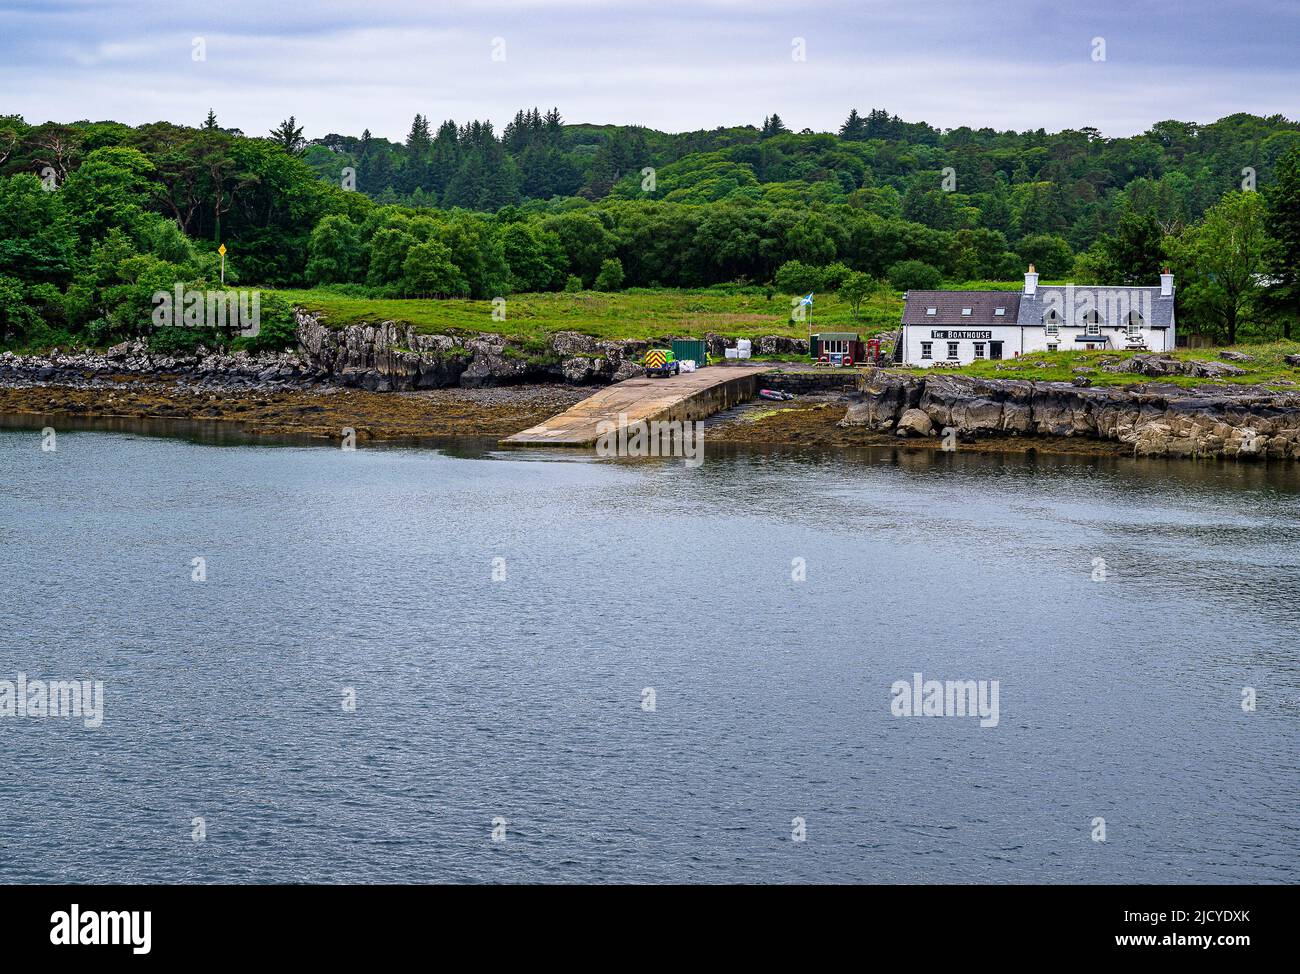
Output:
x=690 y=348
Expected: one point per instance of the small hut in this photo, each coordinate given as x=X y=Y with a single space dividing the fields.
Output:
x=836 y=346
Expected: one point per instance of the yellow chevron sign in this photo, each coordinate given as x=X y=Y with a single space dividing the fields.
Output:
x=655 y=359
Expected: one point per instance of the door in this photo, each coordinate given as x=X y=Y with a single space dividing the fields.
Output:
x=995 y=350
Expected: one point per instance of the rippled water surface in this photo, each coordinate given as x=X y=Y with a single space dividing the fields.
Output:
x=522 y=699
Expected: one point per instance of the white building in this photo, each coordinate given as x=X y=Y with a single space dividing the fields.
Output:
x=961 y=327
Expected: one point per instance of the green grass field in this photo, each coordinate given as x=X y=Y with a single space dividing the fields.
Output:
x=641 y=314
x=1267 y=368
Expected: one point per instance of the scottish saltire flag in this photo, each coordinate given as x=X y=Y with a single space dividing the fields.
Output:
x=807 y=300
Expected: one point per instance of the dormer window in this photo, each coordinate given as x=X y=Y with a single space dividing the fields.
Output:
x=965 y=312
x=931 y=311
x=1134 y=322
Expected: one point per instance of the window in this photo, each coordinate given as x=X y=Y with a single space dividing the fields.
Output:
x=1000 y=312
x=925 y=349
x=979 y=349
x=1092 y=327
x=835 y=346
x=932 y=311
x=952 y=349
x=1052 y=348
x=965 y=312
x=1134 y=322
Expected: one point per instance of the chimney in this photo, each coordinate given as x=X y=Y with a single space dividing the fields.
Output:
x=1031 y=281
x=1166 y=284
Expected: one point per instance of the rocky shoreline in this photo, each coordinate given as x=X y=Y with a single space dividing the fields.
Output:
x=386 y=381
x=385 y=357
x=1150 y=419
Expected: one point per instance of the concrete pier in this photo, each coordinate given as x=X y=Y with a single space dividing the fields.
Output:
x=686 y=397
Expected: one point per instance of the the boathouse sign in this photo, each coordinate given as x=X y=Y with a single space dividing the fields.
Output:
x=948 y=333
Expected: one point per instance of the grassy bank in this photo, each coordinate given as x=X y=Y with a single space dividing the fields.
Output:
x=641 y=314
x=1267 y=367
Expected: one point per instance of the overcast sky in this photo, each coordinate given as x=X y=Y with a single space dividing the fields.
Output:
x=344 y=66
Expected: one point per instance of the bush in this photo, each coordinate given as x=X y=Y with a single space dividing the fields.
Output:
x=279 y=328
x=796 y=277
x=181 y=341
x=574 y=283
x=833 y=277
x=914 y=275
x=610 y=277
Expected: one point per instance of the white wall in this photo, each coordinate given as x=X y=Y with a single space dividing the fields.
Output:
x=1034 y=337
x=914 y=335
x=1155 y=339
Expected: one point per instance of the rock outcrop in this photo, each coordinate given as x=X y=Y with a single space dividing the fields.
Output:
x=203 y=369
x=1246 y=422
x=395 y=356
x=380 y=357
x=1158 y=364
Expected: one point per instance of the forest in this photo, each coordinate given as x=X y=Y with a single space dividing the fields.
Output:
x=96 y=217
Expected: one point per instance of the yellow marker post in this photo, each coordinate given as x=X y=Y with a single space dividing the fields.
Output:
x=222 y=251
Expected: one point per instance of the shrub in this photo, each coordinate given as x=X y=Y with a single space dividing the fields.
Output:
x=610 y=277
x=796 y=277
x=914 y=275
x=173 y=341
x=279 y=329
x=832 y=277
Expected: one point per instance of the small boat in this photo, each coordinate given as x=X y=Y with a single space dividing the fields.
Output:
x=774 y=395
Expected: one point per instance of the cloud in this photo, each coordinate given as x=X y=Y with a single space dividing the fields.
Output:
x=344 y=66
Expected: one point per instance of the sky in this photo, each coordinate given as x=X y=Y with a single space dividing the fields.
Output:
x=347 y=65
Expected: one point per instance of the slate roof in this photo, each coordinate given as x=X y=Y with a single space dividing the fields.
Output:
x=948 y=305
x=1158 y=311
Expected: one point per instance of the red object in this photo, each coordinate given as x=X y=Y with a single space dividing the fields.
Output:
x=848 y=362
